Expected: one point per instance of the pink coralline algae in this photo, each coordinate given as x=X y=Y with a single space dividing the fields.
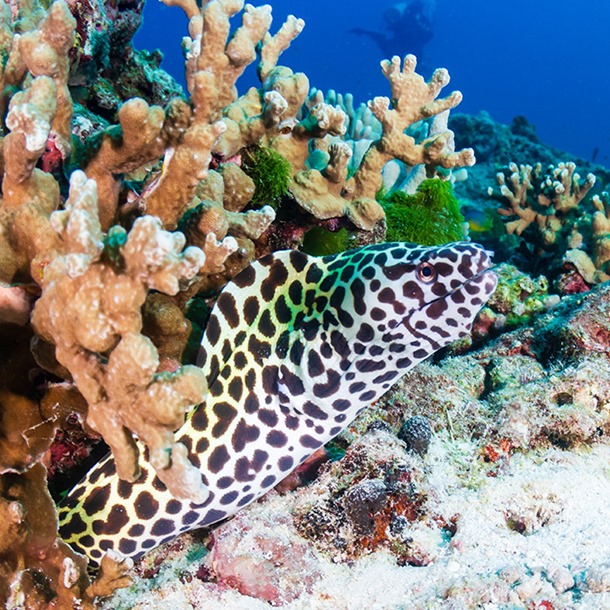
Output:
x=265 y=559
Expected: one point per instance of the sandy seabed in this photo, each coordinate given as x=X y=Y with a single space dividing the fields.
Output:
x=564 y=561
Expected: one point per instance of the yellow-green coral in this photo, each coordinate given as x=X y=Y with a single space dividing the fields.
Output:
x=518 y=296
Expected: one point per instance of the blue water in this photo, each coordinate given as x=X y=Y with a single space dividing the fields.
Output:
x=547 y=60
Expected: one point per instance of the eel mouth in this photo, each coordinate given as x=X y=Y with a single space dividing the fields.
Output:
x=474 y=294
x=487 y=279
x=484 y=278
x=487 y=275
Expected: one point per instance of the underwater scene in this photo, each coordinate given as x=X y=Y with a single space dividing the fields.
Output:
x=304 y=305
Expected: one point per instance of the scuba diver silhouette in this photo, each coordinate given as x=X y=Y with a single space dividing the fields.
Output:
x=408 y=29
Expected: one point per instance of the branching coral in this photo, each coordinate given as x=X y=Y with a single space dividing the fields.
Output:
x=261 y=116
x=29 y=194
x=120 y=149
x=413 y=100
x=329 y=193
x=43 y=51
x=213 y=66
x=550 y=210
x=91 y=310
x=541 y=199
x=218 y=210
x=276 y=116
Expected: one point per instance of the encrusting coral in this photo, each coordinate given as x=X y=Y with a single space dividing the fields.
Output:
x=95 y=266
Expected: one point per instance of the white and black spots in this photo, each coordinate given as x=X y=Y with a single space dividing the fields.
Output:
x=294 y=349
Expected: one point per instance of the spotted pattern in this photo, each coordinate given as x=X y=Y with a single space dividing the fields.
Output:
x=294 y=349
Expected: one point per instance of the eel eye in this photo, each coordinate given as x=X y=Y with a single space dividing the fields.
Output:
x=426 y=272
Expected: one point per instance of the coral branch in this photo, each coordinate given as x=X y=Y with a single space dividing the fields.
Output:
x=90 y=310
x=137 y=141
x=44 y=52
x=413 y=100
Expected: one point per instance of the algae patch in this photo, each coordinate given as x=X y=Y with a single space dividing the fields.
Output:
x=429 y=217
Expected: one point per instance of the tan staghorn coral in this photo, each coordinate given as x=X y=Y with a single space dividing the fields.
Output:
x=187 y=134
x=276 y=116
x=90 y=308
x=260 y=116
x=269 y=116
x=532 y=197
x=137 y=140
x=213 y=208
x=38 y=117
x=594 y=266
x=328 y=193
x=43 y=51
x=550 y=210
x=29 y=194
x=213 y=66
x=413 y=100
x=600 y=228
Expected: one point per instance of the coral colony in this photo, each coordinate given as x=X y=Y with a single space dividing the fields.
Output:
x=160 y=290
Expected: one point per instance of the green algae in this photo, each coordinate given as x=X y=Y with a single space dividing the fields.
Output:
x=430 y=217
x=271 y=174
x=318 y=241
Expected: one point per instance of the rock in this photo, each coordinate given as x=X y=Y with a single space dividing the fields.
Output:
x=416 y=434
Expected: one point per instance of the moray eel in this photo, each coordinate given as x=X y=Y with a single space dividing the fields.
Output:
x=295 y=347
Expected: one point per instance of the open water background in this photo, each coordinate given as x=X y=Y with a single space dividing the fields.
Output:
x=547 y=60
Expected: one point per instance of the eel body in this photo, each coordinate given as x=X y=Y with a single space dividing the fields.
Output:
x=295 y=347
